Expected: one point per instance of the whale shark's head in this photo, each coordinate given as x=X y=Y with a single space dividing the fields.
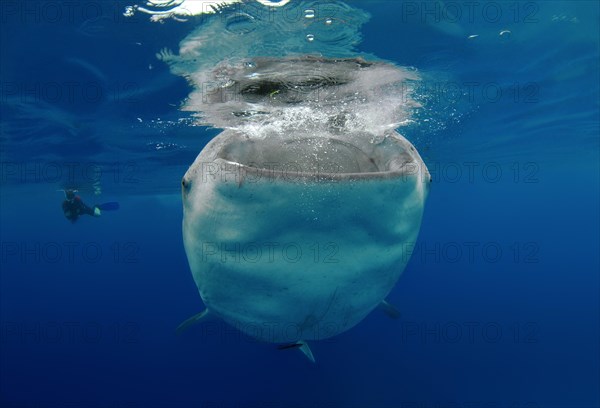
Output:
x=249 y=202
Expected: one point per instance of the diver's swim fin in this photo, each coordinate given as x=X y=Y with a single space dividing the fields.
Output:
x=197 y=318
x=112 y=206
x=389 y=310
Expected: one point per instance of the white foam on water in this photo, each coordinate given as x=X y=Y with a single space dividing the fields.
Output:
x=253 y=69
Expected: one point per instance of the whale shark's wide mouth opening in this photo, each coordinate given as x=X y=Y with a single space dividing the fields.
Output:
x=323 y=155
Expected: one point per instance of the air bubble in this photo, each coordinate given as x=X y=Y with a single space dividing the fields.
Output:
x=129 y=11
x=309 y=13
x=505 y=34
x=377 y=139
x=228 y=83
x=328 y=21
x=310 y=37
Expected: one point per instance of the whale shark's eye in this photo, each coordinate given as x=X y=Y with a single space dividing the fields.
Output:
x=185 y=185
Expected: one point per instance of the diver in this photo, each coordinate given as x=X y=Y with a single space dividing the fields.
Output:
x=73 y=206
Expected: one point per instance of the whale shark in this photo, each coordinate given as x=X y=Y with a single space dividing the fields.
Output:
x=301 y=215
x=298 y=237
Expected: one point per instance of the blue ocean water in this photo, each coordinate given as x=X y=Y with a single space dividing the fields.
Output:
x=499 y=302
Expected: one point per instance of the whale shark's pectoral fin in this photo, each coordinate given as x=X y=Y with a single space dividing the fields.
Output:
x=302 y=346
x=306 y=350
x=389 y=310
x=203 y=316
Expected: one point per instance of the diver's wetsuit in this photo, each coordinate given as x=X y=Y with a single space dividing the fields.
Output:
x=75 y=207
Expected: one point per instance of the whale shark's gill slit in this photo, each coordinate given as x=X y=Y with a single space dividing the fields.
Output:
x=330 y=304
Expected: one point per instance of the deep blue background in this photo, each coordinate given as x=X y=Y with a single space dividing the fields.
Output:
x=97 y=329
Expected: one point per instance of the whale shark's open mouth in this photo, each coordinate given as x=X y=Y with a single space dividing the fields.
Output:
x=329 y=155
